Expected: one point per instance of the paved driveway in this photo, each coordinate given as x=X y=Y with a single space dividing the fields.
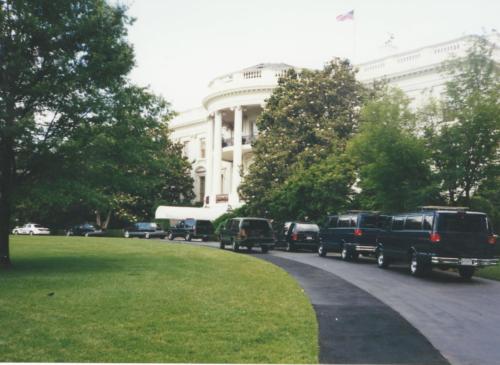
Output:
x=461 y=319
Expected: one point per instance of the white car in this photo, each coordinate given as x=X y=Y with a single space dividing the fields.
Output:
x=31 y=229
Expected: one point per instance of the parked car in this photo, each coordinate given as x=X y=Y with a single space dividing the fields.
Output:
x=144 y=230
x=191 y=229
x=248 y=232
x=85 y=230
x=438 y=237
x=351 y=234
x=31 y=229
x=296 y=235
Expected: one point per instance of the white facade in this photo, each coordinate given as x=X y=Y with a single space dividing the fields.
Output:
x=217 y=136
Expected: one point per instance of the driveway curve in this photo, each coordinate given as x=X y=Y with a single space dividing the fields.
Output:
x=461 y=319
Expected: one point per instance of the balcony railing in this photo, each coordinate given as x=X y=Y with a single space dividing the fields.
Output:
x=247 y=139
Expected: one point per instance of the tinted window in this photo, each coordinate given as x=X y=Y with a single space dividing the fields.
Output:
x=398 y=223
x=353 y=220
x=333 y=222
x=146 y=226
x=235 y=225
x=344 y=222
x=204 y=224
x=370 y=221
x=428 y=221
x=413 y=222
x=302 y=227
x=256 y=224
x=460 y=222
x=189 y=222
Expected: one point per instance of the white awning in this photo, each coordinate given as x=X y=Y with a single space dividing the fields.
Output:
x=208 y=213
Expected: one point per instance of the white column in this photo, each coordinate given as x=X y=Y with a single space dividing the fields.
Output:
x=237 y=153
x=217 y=155
x=209 y=148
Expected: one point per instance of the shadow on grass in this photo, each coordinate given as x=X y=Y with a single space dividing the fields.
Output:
x=65 y=265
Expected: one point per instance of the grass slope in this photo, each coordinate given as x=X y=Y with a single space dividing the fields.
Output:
x=492 y=272
x=117 y=300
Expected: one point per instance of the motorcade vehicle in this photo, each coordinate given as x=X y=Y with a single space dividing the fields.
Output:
x=443 y=237
x=85 y=230
x=144 y=230
x=299 y=235
x=248 y=232
x=191 y=229
x=31 y=229
x=352 y=233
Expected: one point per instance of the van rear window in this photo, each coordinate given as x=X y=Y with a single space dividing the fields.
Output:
x=459 y=222
x=256 y=224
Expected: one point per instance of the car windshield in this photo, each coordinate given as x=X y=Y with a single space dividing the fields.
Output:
x=303 y=227
x=461 y=222
x=88 y=226
x=189 y=222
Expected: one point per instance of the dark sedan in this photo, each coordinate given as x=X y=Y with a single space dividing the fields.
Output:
x=144 y=230
x=86 y=230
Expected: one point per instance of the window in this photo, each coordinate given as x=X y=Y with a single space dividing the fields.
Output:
x=333 y=222
x=235 y=225
x=344 y=222
x=185 y=148
x=398 y=223
x=353 y=219
x=203 y=148
x=461 y=222
x=428 y=222
x=413 y=222
x=202 y=188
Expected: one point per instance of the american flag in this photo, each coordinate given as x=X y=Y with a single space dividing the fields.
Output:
x=347 y=16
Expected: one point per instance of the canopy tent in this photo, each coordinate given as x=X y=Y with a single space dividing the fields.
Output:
x=208 y=213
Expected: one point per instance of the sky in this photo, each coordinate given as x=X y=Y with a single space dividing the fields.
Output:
x=181 y=45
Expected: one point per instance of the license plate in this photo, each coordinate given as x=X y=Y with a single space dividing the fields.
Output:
x=467 y=262
x=309 y=238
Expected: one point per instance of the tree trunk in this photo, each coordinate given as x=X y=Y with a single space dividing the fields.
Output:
x=98 y=219
x=6 y=188
x=106 y=222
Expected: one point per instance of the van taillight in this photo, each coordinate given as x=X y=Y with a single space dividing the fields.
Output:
x=492 y=239
x=358 y=232
x=295 y=237
x=435 y=237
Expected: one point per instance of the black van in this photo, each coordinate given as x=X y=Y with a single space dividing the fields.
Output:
x=351 y=234
x=438 y=237
x=248 y=232
x=299 y=235
x=191 y=229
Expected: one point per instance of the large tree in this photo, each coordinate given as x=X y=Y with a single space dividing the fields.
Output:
x=123 y=166
x=463 y=129
x=394 y=167
x=58 y=58
x=309 y=116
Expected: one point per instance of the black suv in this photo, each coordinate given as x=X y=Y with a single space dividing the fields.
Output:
x=351 y=234
x=191 y=228
x=248 y=232
x=144 y=230
x=299 y=235
x=441 y=237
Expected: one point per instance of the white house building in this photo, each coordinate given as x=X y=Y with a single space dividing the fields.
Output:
x=217 y=136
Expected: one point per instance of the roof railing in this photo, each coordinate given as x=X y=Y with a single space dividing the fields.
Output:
x=437 y=207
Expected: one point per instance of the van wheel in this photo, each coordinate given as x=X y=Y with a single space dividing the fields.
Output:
x=416 y=267
x=264 y=249
x=188 y=237
x=236 y=247
x=126 y=235
x=322 y=251
x=170 y=236
x=466 y=272
x=382 y=261
x=290 y=247
x=345 y=254
x=146 y=236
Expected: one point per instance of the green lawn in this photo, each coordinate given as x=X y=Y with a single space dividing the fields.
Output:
x=492 y=272
x=118 y=300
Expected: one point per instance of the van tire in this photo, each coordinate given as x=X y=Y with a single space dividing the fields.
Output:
x=345 y=254
x=417 y=268
x=466 y=272
x=382 y=261
x=170 y=236
x=222 y=245
x=188 y=237
x=322 y=251
x=236 y=247
x=290 y=247
x=264 y=249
